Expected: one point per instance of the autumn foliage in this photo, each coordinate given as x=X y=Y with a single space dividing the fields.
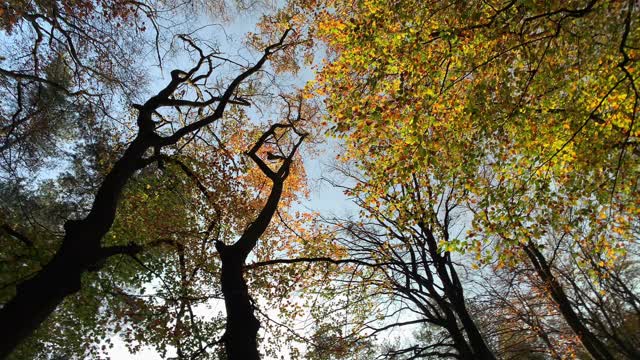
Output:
x=489 y=152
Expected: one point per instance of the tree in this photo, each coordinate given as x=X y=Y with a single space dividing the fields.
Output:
x=64 y=61
x=242 y=325
x=81 y=248
x=407 y=240
x=514 y=101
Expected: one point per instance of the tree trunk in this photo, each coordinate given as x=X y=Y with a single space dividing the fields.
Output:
x=480 y=349
x=240 y=337
x=596 y=348
x=36 y=298
x=454 y=293
x=460 y=343
x=241 y=331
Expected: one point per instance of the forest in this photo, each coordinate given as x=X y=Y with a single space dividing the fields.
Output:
x=320 y=179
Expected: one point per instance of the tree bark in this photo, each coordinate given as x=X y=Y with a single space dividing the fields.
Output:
x=242 y=326
x=241 y=331
x=37 y=297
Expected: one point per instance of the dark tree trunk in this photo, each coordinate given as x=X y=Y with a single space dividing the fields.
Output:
x=460 y=343
x=480 y=349
x=454 y=293
x=241 y=331
x=36 y=298
x=242 y=326
x=596 y=348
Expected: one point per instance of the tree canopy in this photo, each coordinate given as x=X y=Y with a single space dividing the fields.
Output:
x=490 y=150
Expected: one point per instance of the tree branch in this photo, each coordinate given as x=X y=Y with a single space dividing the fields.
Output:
x=311 y=260
x=23 y=238
x=226 y=97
